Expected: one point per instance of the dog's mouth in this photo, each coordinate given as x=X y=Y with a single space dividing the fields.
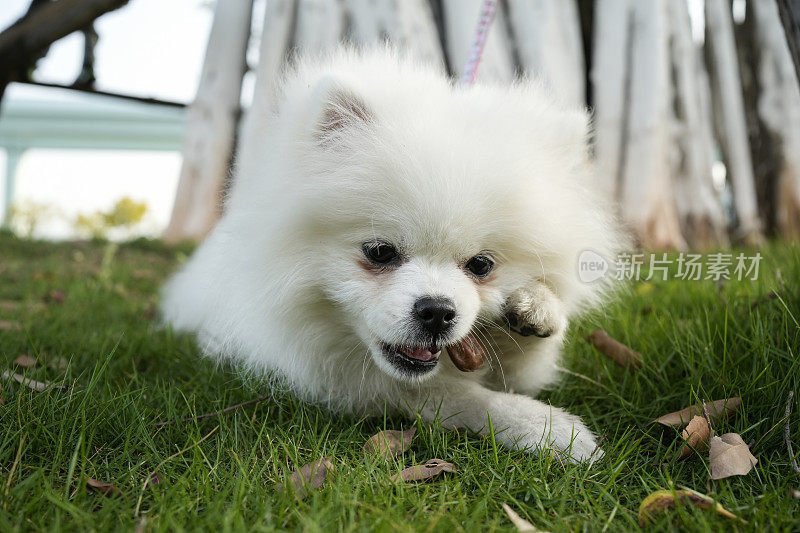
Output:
x=415 y=360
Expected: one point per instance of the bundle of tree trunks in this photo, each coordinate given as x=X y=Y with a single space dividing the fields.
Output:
x=697 y=126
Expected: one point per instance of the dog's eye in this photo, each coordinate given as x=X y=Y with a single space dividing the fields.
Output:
x=380 y=252
x=480 y=265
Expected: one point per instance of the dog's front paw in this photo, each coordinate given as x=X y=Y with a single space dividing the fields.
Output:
x=563 y=435
x=571 y=439
x=535 y=310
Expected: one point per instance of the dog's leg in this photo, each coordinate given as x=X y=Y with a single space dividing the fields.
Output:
x=519 y=422
x=525 y=350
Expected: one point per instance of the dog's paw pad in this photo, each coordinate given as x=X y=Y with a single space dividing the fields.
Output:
x=536 y=313
x=519 y=326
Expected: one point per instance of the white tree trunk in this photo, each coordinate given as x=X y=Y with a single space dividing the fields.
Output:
x=320 y=24
x=779 y=109
x=548 y=39
x=408 y=24
x=700 y=210
x=647 y=198
x=729 y=106
x=612 y=55
x=275 y=38
x=211 y=124
x=460 y=21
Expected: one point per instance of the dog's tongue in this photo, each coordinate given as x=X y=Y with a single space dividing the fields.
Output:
x=421 y=354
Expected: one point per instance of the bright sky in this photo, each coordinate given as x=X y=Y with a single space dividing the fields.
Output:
x=150 y=48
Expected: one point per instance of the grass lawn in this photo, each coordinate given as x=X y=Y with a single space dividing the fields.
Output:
x=700 y=340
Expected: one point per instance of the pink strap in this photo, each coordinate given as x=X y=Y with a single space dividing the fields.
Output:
x=476 y=52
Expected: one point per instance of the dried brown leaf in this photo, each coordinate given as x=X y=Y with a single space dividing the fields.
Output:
x=310 y=476
x=716 y=410
x=38 y=386
x=695 y=436
x=520 y=523
x=615 y=350
x=25 y=361
x=9 y=325
x=9 y=305
x=103 y=487
x=390 y=442
x=662 y=500
x=55 y=296
x=425 y=471
x=730 y=456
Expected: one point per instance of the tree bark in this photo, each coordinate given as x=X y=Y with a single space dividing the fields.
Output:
x=408 y=24
x=211 y=125
x=764 y=143
x=701 y=216
x=610 y=76
x=778 y=110
x=647 y=198
x=729 y=112
x=277 y=34
x=548 y=38
x=320 y=25
x=789 y=11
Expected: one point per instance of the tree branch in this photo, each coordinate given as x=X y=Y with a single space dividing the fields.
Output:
x=790 y=17
x=25 y=41
x=143 y=99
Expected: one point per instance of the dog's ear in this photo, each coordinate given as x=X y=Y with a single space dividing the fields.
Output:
x=341 y=109
x=571 y=131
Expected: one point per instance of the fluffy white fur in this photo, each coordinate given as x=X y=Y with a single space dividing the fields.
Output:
x=369 y=145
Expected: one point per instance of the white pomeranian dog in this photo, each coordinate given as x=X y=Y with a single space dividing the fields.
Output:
x=379 y=214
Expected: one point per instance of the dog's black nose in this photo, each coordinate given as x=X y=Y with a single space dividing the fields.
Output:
x=436 y=315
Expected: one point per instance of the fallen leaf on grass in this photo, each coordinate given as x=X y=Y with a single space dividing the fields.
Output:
x=661 y=500
x=520 y=523
x=615 y=350
x=794 y=493
x=390 y=442
x=8 y=325
x=730 y=456
x=103 y=487
x=716 y=410
x=55 y=296
x=424 y=472
x=310 y=476
x=9 y=305
x=695 y=436
x=25 y=361
x=38 y=386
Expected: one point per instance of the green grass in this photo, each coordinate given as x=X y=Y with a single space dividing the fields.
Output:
x=124 y=374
